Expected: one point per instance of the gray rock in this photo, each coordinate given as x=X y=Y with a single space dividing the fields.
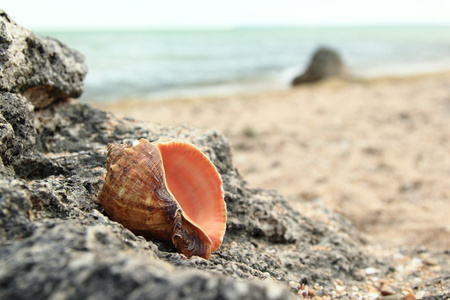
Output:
x=19 y=135
x=41 y=69
x=265 y=240
x=69 y=260
x=6 y=138
x=15 y=208
x=324 y=63
x=17 y=131
x=18 y=155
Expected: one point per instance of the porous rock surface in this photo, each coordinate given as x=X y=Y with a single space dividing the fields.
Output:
x=325 y=63
x=40 y=68
x=57 y=243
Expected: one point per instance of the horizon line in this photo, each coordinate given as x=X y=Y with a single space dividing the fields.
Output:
x=237 y=27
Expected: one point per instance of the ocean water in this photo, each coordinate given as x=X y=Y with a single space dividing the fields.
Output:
x=157 y=64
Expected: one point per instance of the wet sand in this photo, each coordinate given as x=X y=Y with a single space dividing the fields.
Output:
x=375 y=151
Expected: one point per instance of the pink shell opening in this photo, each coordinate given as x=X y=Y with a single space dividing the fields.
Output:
x=196 y=185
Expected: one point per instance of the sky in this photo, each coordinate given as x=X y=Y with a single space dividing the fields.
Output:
x=104 y=14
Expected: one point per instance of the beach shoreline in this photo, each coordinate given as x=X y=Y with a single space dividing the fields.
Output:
x=375 y=150
x=278 y=90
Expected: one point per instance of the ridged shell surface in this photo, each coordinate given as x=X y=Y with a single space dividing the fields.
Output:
x=168 y=191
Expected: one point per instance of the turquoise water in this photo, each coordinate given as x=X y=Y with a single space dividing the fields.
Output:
x=150 y=64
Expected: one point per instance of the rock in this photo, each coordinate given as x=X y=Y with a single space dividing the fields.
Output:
x=69 y=260
x=18 y=155
x=20 y=135
x=6 y=137
x=15 y=209
x=17 y=133
x=324 y=63
x=39 y=68
x=56 y=226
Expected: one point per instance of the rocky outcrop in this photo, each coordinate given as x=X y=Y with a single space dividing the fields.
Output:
x=41 y=69
x=53 y=224
x=325 y=63
x=57 y=243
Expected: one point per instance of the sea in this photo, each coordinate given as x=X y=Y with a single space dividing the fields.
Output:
x=166 y=64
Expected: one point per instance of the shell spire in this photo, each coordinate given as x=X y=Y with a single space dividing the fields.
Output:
x=167 y=190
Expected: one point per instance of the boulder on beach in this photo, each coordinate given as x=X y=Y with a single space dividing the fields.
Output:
x=325 y=63
x=56 y=242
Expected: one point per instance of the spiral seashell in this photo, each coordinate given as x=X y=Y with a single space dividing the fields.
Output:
x=169 y=191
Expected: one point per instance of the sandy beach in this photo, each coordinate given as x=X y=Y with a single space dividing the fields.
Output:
x=376 y=151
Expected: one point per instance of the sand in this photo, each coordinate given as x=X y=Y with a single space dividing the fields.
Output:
x=376 y=151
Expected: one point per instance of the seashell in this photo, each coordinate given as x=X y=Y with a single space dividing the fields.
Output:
x=169 y=191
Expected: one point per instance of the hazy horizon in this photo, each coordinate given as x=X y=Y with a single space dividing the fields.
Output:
x=238 y=28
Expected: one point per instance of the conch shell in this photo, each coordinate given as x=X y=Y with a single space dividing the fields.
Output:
x=169 y=191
